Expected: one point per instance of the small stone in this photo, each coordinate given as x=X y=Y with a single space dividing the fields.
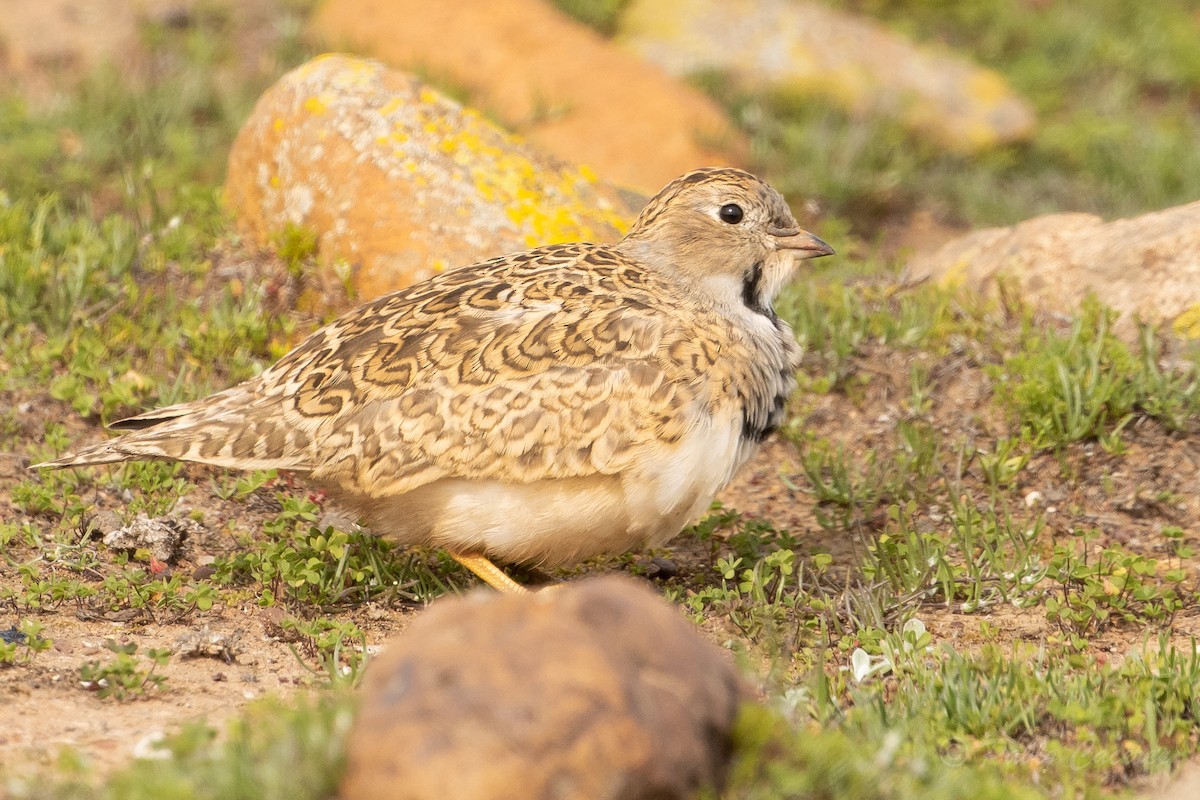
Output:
x=150 y=747
x=103 y=522
x=12 y=635
x=163 y=537
x=1185 y=785
x=596 y=690
x=661 y=569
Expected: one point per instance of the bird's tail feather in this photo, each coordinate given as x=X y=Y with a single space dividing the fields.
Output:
x=208 y=431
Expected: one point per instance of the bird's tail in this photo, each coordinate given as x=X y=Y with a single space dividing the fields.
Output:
x=223 y=430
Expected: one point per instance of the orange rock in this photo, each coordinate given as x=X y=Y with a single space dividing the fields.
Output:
x=400 y=182
x=598 y=690
x=554 y=80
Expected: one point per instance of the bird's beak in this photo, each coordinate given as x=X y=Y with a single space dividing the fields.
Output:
x=799 y=239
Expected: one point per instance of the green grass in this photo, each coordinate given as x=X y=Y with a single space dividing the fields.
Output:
x=599 y=14
x=1113 y=83
x=275 y=751
x=1088 y=384
x=302 y=564
x=126 y=676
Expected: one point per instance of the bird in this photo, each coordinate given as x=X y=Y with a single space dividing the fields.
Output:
x=539 y=408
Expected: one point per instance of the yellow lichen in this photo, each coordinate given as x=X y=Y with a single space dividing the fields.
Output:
x=955 y=276
x=988 y=87
x=546 y=205
x=1187 y=324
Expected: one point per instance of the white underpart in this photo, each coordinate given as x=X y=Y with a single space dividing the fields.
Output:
x=564 y=521
x=676 y=489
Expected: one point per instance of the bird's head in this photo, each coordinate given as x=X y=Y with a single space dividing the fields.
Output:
x=725 y=230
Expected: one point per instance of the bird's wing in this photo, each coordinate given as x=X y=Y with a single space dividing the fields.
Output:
x=559 y=370
x=562 y=361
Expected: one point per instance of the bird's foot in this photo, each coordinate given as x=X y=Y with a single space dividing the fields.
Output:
x=489 y=573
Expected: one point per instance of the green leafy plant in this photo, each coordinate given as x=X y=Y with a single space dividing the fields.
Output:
x=302 y=564
x=123 y=678
x=333 y=652
x=20 y=644
x=1109 y=586
x=1089 y=384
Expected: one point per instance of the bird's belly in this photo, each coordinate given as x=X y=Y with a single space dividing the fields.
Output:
x=678 y=484
x=563 y=521
x=549 y=522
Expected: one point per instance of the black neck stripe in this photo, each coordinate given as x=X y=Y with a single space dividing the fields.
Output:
x=751 y=290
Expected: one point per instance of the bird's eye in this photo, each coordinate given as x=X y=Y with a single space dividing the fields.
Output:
x=731 y=213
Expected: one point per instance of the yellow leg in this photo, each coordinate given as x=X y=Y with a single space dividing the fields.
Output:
x=489 y=573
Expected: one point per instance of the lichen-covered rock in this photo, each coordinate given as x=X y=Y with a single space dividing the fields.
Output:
x=1147 y=266
x=553 y=80
x=597 y=690
x=853 y=61
x=400 y=181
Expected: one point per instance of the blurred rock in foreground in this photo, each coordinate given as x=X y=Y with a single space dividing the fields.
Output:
x=1147 y=266
x=595 y=690
x=550 y=78
x=400 y=181
x=857 y=63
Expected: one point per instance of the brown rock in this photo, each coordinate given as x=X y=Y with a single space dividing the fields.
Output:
x=552 y=79
x=855 y=62
x=597 y=690
x=1148 y=266
x=400 y=181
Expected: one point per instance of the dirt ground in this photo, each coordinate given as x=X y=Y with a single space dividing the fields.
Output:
x=47 y=708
